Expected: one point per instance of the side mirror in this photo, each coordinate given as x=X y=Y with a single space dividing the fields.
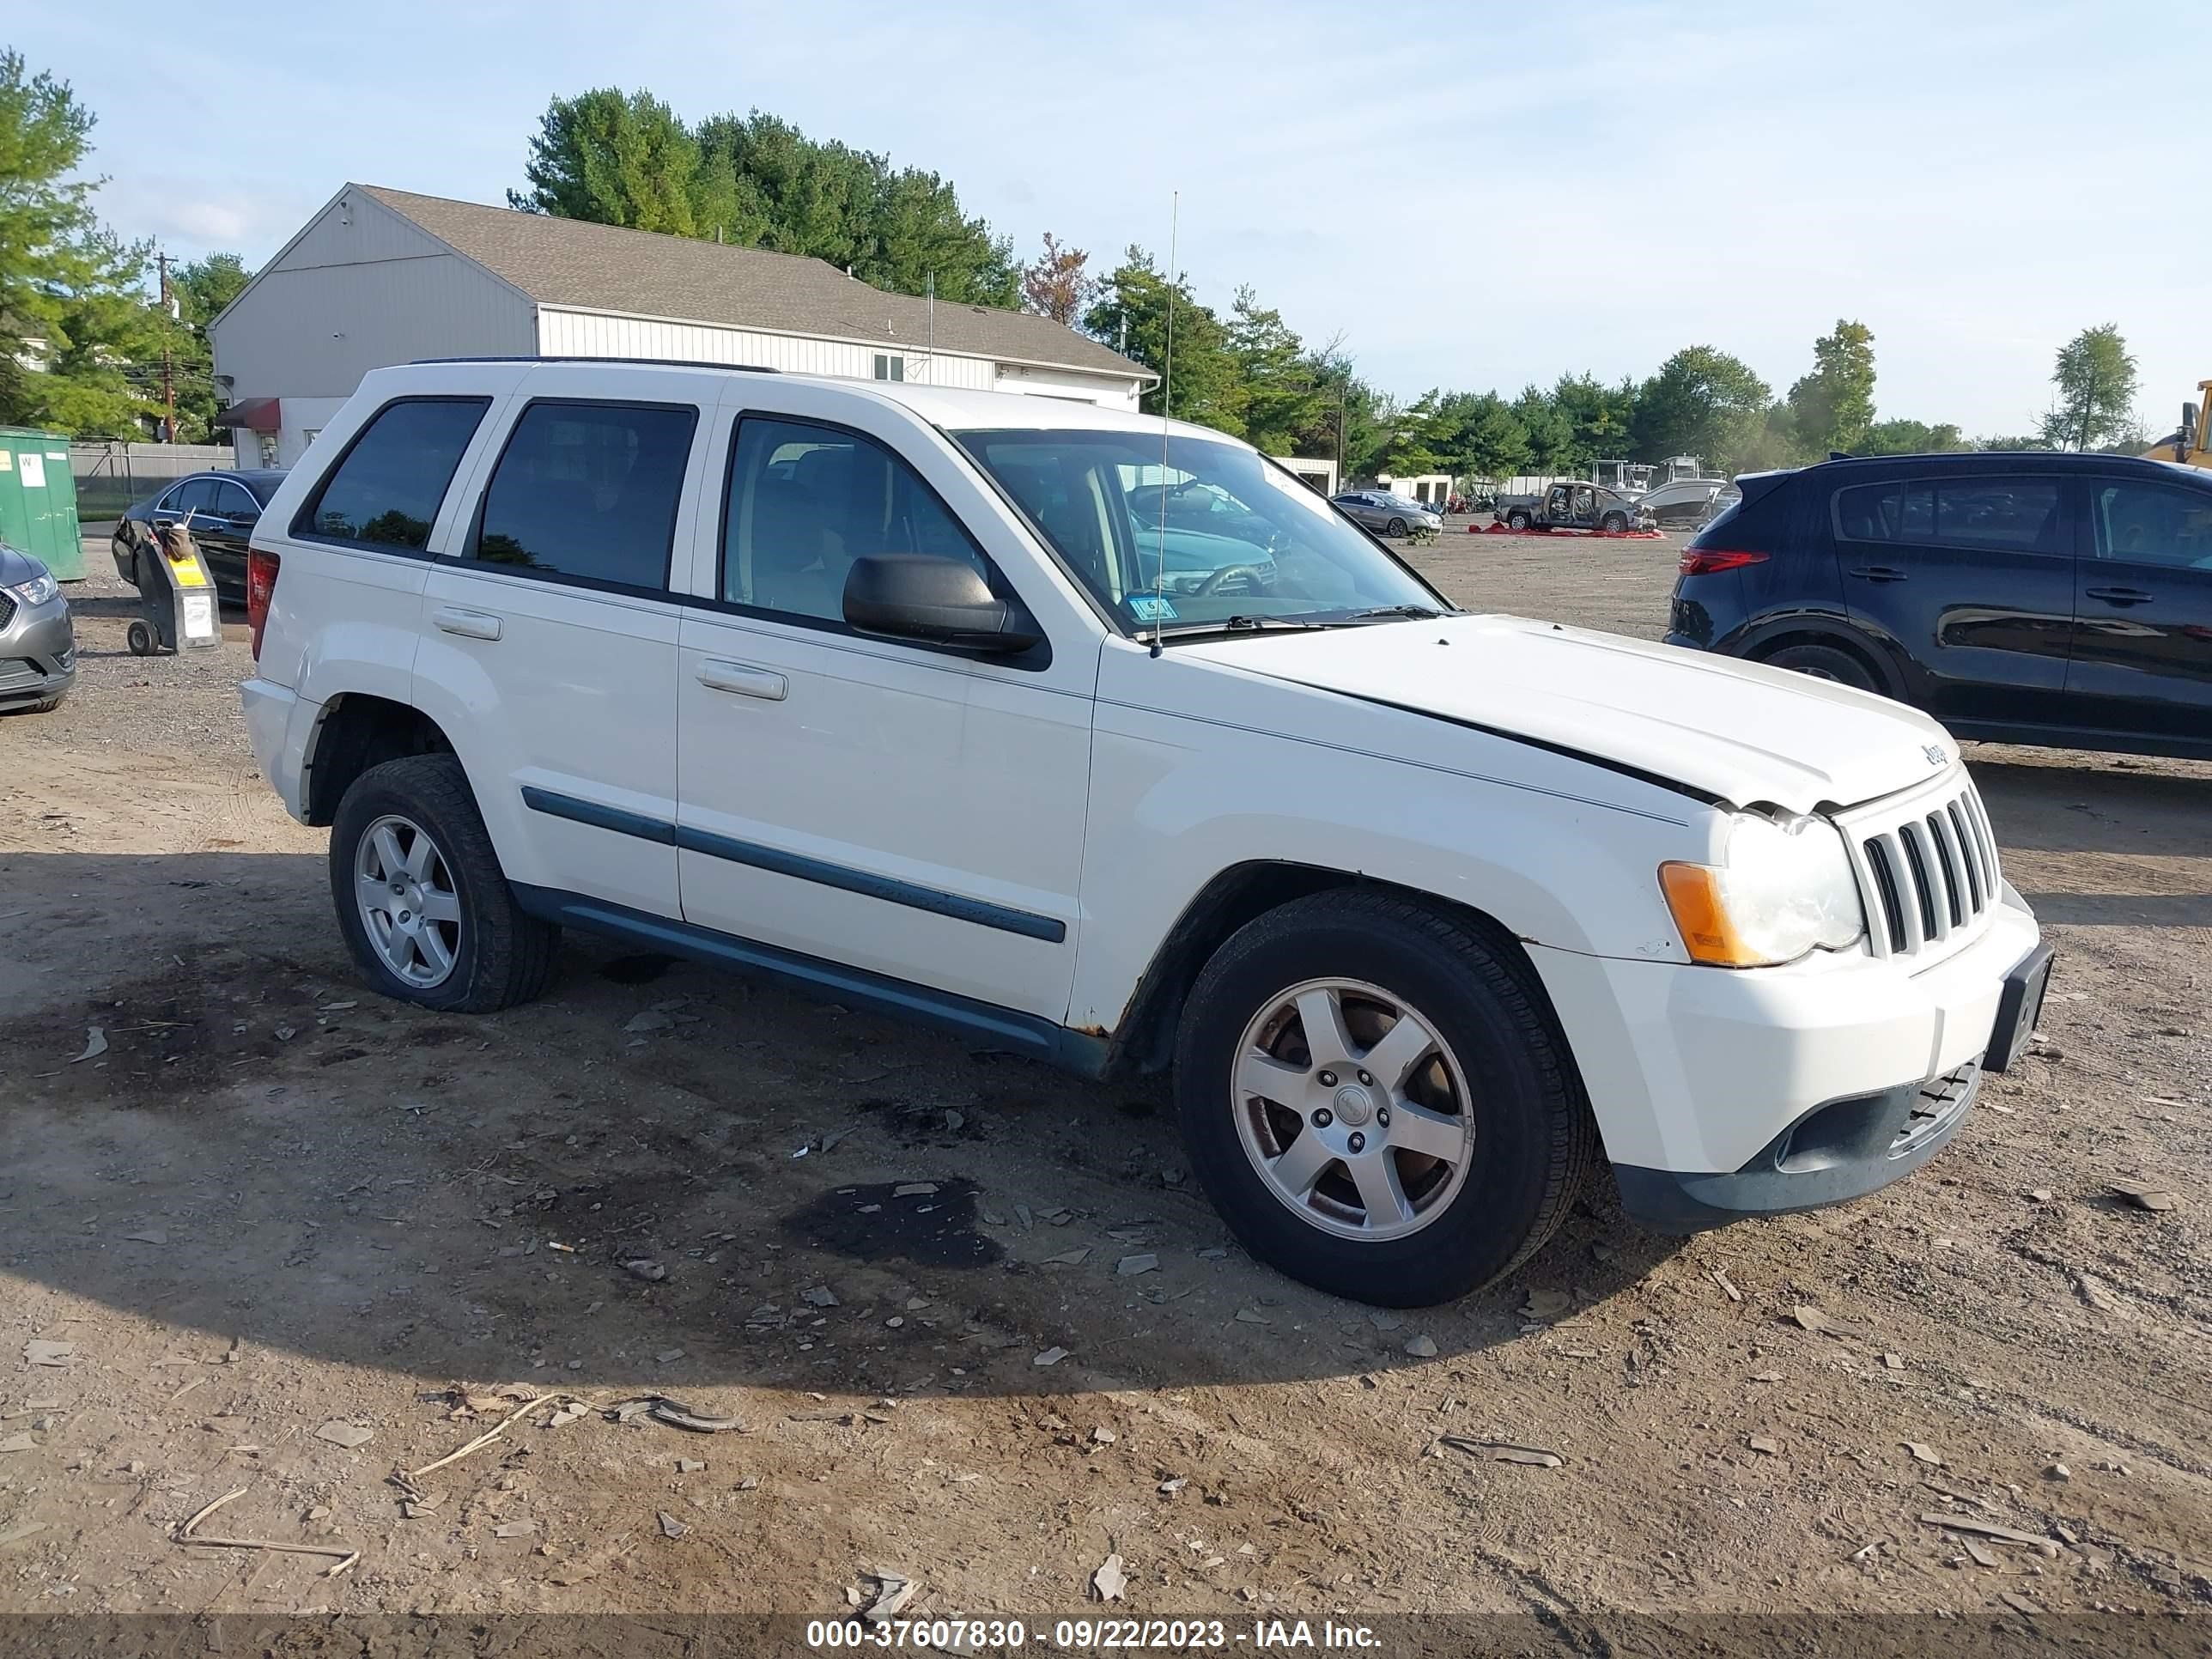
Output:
x=906 y=596
x=2193 y=434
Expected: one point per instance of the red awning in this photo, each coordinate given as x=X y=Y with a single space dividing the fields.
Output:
x=254 y=413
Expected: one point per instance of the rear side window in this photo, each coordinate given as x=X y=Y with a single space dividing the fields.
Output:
x=589 y=492
x=193 y=495
x=2010 y=514
x=386 y=490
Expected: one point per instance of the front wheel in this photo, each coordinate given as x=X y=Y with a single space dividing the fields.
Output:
x=1614 y=522
x=421 y=901
x=1395 y=527
x=1376 y=1102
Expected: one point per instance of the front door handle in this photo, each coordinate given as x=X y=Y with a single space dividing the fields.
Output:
x=2120 y=595
x=469 y=625
x=1878 y=573
x=744 y=679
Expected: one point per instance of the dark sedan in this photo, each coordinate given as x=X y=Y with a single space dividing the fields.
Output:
x=224 y=508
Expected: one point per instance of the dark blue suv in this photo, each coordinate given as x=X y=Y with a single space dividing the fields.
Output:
x=2020 y=598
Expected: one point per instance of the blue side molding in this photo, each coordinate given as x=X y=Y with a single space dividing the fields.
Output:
x=982 y=912
x=1001 y=1028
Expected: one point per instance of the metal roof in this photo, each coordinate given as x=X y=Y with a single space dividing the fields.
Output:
x=577 y=264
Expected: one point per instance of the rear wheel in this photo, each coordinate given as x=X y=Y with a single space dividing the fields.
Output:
x=1516 y=519
x=1375 y=1103
x=421 y=901
x=1824 y=662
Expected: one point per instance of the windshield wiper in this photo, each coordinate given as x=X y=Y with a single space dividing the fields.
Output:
x=1381 y=611
x=1238 y=625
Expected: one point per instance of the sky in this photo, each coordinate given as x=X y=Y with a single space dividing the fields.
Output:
x=1472 y=195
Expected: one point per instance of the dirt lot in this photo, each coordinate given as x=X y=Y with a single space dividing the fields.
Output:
x=275 y=1209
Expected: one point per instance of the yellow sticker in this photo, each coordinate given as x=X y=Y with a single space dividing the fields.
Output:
x=190 y=572
x=7 y=460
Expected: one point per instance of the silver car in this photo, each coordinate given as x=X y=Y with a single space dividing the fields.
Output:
x=1379 y=510
x=38 y=647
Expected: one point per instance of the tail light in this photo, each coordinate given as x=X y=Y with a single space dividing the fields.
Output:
x=260 y=588
x=1712 y=561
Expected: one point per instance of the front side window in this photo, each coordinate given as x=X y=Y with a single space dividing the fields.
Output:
x=386 y=490
x=589 y=492
x=1266 y=546
x=805 y=500
x=234 y=499
x=2008 y=514
x=2154 y=523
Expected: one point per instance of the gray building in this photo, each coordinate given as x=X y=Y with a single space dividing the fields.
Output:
x=381 y=276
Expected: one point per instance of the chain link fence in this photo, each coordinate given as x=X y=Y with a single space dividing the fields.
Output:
x=111 y=475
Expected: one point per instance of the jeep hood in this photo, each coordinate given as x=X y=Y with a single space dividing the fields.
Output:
x=1739 y=732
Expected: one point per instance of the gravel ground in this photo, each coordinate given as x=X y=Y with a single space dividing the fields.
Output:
x=277 y=1218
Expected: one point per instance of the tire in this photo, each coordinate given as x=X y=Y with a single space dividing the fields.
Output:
x=1613 y=521
x=1516 y=519
x=139 y=636
x=1395 y=527
x=1824 y=662
x=495 y=953
x=1532 y=1133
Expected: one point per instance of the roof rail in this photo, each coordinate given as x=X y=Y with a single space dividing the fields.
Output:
x=574 y=358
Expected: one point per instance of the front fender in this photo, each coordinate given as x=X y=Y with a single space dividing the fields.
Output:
x=1557 y=850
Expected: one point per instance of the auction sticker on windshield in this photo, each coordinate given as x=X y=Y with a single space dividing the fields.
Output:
x=1147 y=607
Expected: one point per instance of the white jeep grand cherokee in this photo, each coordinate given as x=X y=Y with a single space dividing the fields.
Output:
x=893 y=693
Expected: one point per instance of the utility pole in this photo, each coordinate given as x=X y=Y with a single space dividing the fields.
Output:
x=168 y=376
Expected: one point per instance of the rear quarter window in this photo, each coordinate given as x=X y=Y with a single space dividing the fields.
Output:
x=386 y=490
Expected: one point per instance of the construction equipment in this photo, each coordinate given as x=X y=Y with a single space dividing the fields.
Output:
x=2188 y=446
x=178 y=596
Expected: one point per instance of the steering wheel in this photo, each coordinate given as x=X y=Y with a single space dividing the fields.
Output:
x=1228 y=573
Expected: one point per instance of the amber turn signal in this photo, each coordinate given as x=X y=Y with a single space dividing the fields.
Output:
x=1693 y=894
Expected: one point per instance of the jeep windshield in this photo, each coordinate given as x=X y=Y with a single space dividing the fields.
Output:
x=1200 y=537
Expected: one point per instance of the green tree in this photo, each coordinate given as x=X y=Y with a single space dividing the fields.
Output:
x=622 y=158
x=1903 y=437
x=1133 y=314
x=1551 y=432
x=2096 y=379
x=1493 y=443
x=1344 y=421
x=1601 y=417
x=1282 y=397
x=617 y=158
x=1702 y=402
x=1832 y=407
x=67 y=283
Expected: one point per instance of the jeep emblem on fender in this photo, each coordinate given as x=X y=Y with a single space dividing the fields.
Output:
x=1934 y=752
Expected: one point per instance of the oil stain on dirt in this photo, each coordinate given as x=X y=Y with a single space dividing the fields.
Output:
x=930 y=1224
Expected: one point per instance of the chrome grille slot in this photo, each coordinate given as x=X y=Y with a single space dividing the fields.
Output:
x=1927 y=866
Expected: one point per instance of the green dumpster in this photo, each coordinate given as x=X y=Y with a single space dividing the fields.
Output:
x=38 y=500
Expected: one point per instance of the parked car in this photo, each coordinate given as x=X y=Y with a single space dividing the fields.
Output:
x=1572 y=505
x=2030 y=598
x=38 y=647
x=1379 y=510
x=1426 y=910
x=224 y=508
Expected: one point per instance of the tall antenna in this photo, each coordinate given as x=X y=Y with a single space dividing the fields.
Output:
x=1167 y=402
x=932 y=318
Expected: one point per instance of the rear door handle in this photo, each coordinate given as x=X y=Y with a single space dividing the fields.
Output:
x=744 y=679
x=469 y=625
x=2120 y=595
x=1878 y=573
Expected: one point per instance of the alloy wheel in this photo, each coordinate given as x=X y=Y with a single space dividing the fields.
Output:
x=409 y=907
x=1354 y=1109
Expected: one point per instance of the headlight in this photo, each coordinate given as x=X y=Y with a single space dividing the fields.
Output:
x=36 y=591
x=1784 y=888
